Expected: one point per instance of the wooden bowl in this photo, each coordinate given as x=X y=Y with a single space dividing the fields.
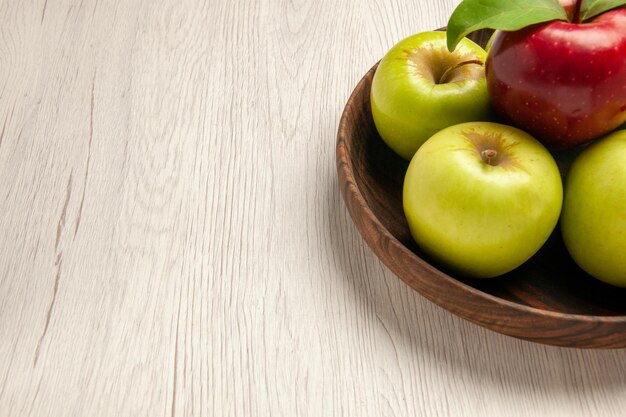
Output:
x=547 y=300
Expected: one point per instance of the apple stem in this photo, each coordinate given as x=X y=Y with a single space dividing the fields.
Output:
x=444 y=77
x=488 y=155
x=576 y=16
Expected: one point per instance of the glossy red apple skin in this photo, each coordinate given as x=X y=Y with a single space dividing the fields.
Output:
x=563 y=82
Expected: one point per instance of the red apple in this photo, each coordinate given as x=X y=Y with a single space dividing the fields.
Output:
x=562 y=81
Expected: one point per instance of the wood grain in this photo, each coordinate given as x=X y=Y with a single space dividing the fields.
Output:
x=174 y=242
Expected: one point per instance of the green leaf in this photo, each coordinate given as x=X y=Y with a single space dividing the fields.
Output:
x=591 y=8
x=472 y=15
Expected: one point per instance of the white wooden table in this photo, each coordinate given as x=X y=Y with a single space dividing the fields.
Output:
x=173 y=238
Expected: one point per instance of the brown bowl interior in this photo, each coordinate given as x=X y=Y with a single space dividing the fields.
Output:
x=548 y=299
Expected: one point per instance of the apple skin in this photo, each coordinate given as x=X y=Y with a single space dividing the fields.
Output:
x=409 y=106
x=563 y=82
x=593 y=220
x=478 y=219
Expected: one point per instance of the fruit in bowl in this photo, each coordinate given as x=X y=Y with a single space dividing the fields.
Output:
x=420 y=88
x=549 y=299
x=593 y=222
x=481 y=198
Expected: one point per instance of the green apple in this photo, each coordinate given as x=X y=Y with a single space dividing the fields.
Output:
x=481 y=198
x=593 y=222
x=420 y=88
